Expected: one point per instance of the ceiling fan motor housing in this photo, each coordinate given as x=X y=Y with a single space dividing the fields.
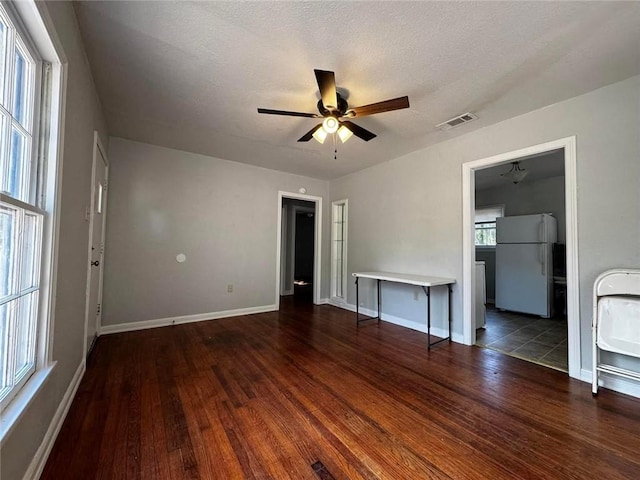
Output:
x=341 y=110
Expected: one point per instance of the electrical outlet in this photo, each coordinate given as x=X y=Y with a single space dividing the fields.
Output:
x=415 y=294
x=229 y=288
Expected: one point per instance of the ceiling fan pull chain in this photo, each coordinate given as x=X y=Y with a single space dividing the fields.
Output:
x=335 y=147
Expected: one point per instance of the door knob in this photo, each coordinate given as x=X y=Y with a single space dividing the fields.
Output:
x=96 y=263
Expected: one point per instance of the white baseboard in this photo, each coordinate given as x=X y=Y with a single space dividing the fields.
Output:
x=617 y=384
x=199 y=317
x=42 y=455
x=438 y=332
x=339 y=303
x=324 y=301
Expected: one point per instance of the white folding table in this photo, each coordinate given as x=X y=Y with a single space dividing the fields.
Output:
x=423 y=281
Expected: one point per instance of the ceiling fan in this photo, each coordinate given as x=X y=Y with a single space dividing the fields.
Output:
x=335 y=110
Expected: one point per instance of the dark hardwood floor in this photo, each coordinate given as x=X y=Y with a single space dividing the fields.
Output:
x=303 y=394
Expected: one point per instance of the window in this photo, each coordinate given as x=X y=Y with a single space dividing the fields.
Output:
x=339 y=249
x=23 y=212
x=486 y=225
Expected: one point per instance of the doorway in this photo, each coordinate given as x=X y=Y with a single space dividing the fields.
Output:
x=298 y=248
x=522 y=274
x=97 y=216
x=567 y=147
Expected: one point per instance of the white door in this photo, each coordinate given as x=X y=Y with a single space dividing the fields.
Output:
x=97 y=224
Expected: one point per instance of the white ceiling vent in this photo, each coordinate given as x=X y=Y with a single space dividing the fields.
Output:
x=457 y=121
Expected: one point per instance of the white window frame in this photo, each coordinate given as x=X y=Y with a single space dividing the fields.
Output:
x=340 y=297
x=31 y=20
x=499 y=208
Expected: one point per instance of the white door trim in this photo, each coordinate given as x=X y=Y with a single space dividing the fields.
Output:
x=571 y=208
x=345 y=234
x=317 y=247
x=98 y=149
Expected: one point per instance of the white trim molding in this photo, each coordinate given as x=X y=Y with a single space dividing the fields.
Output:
x=419 y=327
x=345 y=248
x=317 y=254
x=20 y=403
x=198 y=317
x=468 y=247
x=42 y=454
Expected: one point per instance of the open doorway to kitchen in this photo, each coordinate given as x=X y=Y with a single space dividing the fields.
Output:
x=531 y=304
x=520 y=266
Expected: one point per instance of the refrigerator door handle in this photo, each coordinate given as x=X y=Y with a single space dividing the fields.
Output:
x=541 y=229
x=543 y=258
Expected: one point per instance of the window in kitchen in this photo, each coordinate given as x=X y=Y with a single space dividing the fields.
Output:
x=486 y=225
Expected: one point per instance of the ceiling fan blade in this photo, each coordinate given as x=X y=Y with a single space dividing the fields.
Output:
x=327 y=85
x=380 y=107
x=290 y=114
x=309 y=135
x=358 y=131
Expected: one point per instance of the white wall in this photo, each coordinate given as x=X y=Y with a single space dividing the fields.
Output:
x=222 y=215
x=83 y=116
x=405 y=215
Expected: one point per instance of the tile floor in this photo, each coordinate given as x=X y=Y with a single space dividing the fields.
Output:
x=538 y=340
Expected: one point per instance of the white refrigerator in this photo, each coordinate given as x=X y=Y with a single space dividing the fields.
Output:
x=524 y=263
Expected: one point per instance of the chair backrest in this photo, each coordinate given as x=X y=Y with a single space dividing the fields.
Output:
x=617 y=282
x=618 y=328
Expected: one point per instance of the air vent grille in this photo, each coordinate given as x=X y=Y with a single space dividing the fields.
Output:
x=456 y=121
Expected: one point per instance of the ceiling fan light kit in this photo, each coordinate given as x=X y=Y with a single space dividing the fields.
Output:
x=330 y=125
x=335 y=109
x=320 y=135
x=344 y=133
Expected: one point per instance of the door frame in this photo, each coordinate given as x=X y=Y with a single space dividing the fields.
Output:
x=317 y=247
x=294 y=217
x=571 y=209
x=98 y=149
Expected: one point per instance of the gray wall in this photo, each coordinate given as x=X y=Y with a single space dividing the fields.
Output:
x=405 y=215
x=222 y=215
x=541 y=196
x=83 y=116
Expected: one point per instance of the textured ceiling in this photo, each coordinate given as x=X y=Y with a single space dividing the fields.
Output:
x=191 y=75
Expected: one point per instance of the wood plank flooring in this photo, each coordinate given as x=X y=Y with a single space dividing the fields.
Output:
x=303 y=394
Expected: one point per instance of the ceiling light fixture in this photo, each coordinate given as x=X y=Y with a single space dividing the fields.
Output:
x=320 y=135
x=344 y=133
x=516 y=174
x=330 y=125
